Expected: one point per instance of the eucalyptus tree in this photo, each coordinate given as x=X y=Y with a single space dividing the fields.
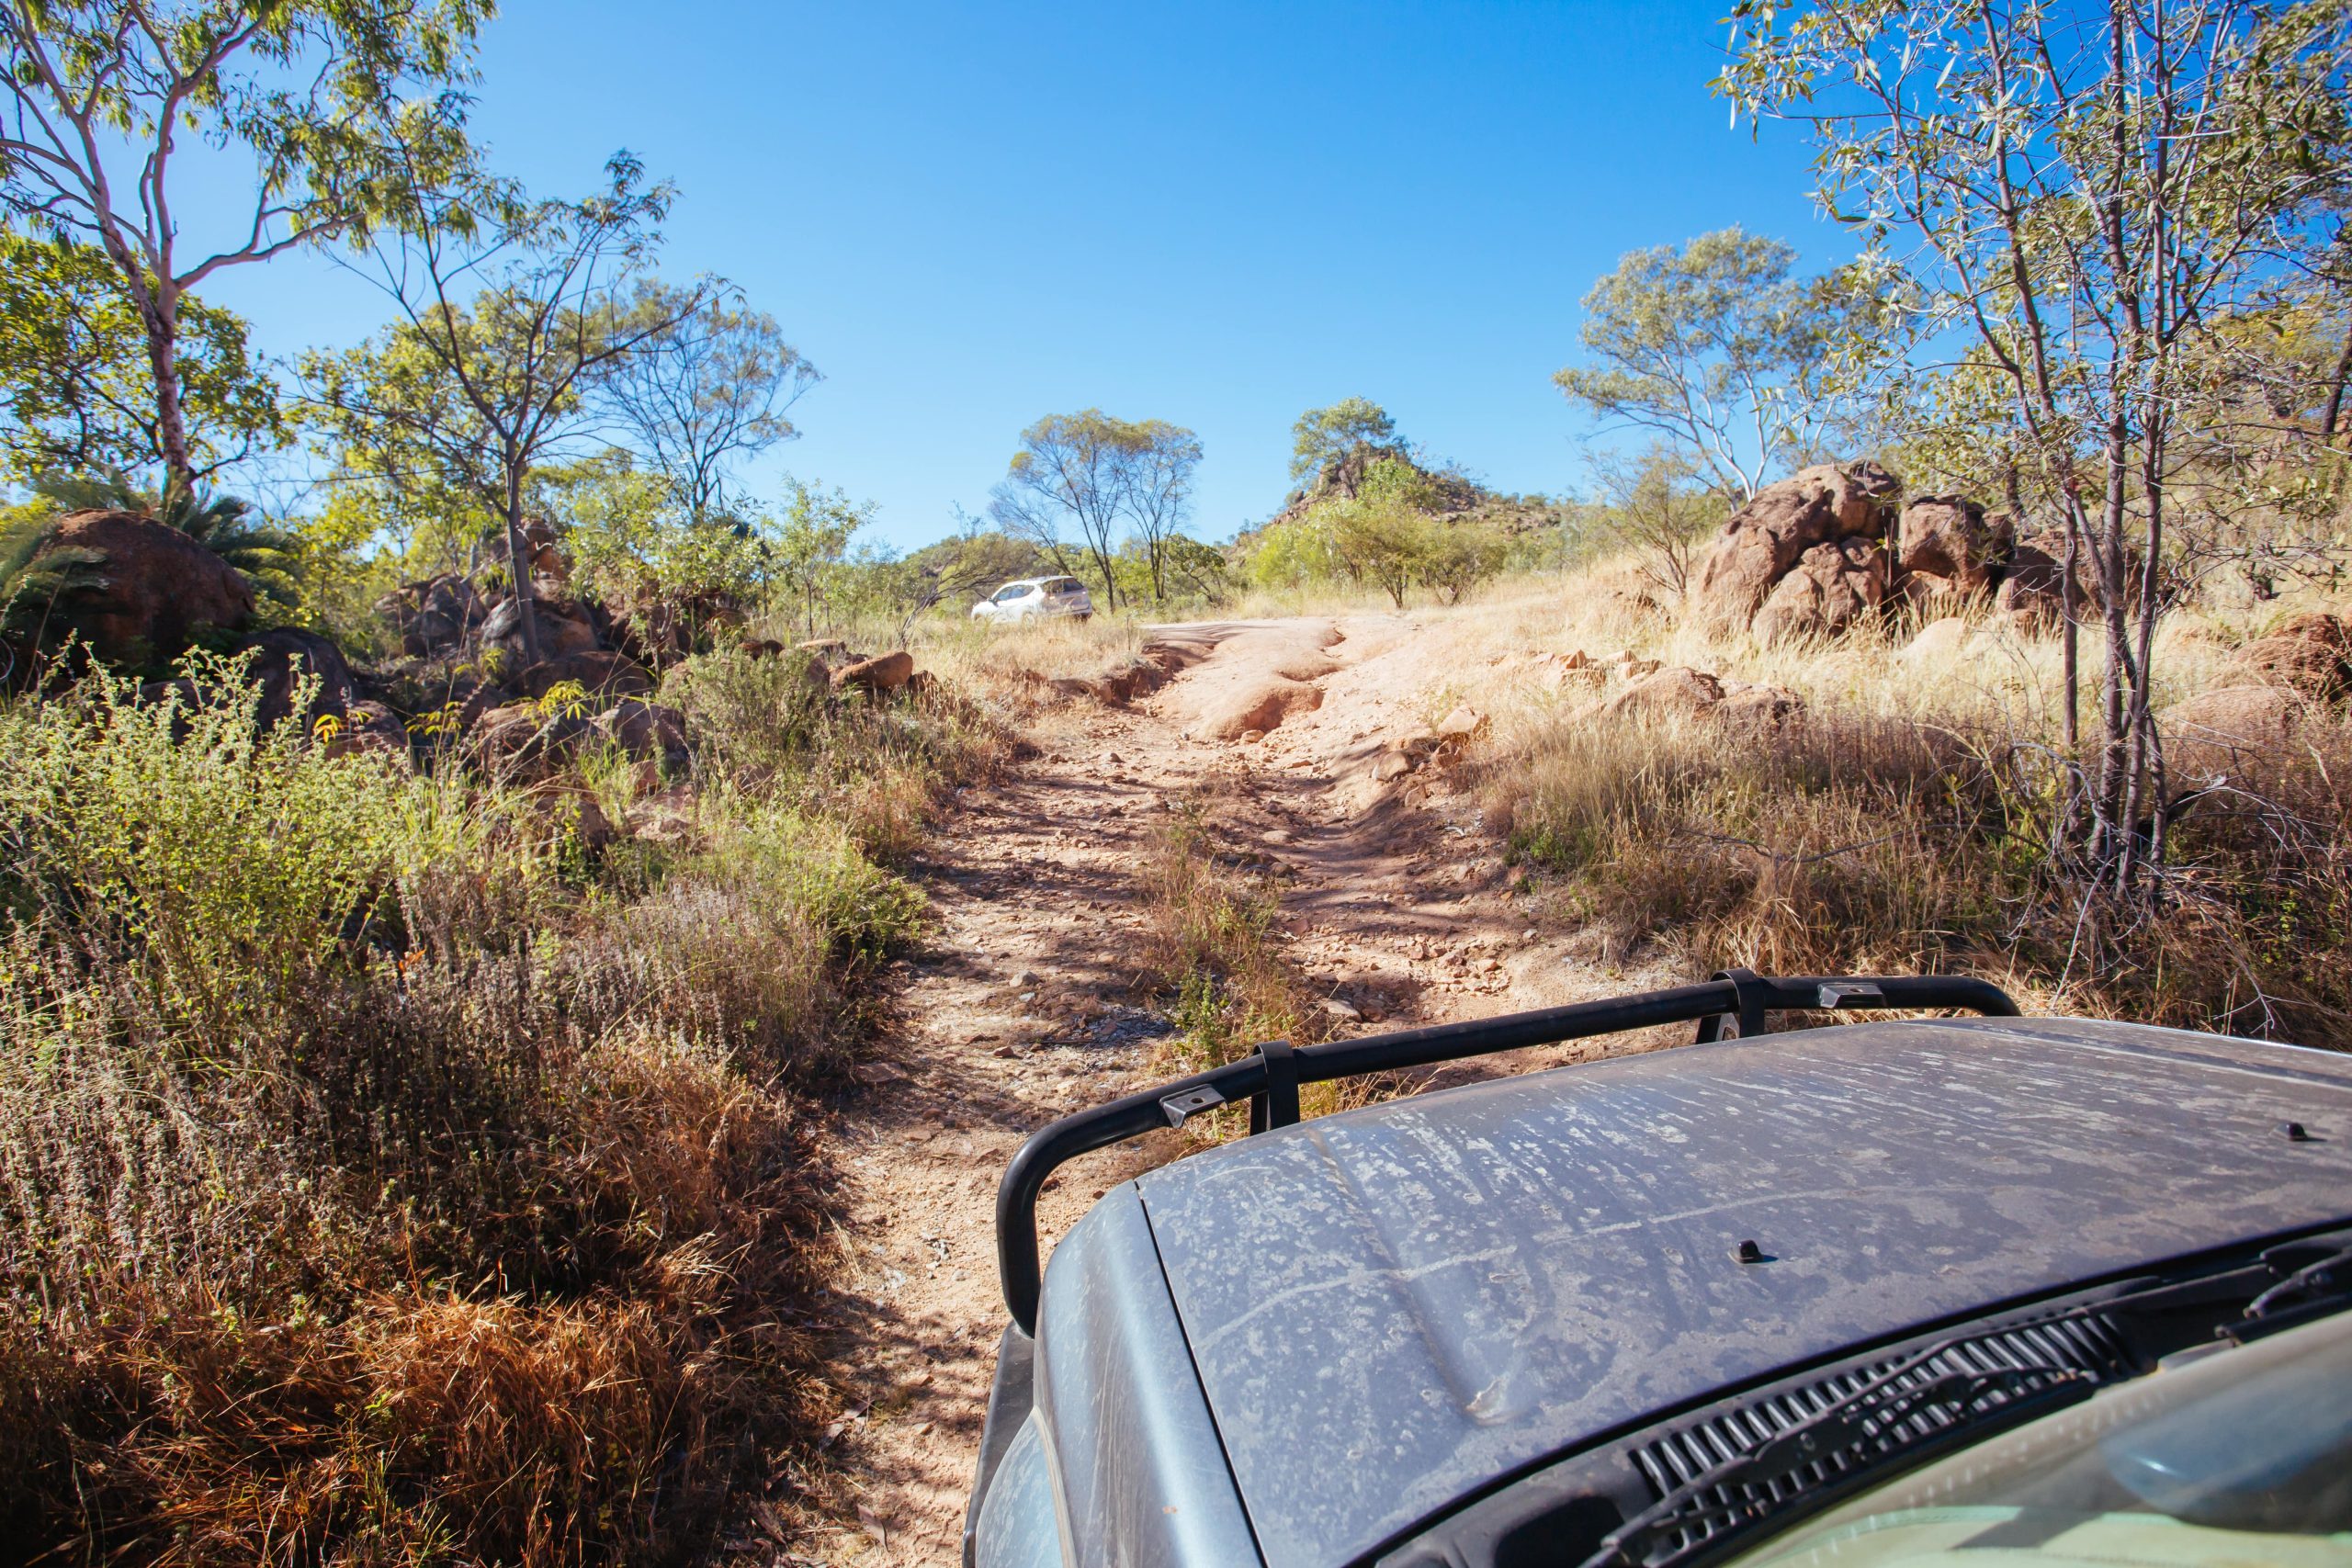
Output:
x=2079 y=195
x=1071 y=470
x=1718 y=348
x=101 y=97
x=78 y=387
x=486 y=387
x=1160 y=459
x=708 y=390
x=1326 y=435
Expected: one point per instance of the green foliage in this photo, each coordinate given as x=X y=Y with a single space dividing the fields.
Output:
x=342 y=104
x=1714 y=346
x=1325 y=436
x=810 y=549
x=474 y=397
x=972 y=563
x=1098 y=472
x=239 y=862
x=1655 y=514
x=1397 y=530
x=78 y=384
x=32 y=588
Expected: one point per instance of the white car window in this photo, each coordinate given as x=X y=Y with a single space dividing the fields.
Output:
x=1006 y=595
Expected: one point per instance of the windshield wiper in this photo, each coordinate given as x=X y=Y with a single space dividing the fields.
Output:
x=2312 y=1290
x=1872 y=1419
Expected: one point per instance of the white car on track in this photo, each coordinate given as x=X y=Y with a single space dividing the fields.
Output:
x=1034 y=597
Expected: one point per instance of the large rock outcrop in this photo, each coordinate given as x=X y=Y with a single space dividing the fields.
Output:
x=1949 y=549
x=596 y=670
x=148 y=589
x=435 y=615
x=565 y=628
x=1764 y=541
x=1831 y=587
x=286 y=657
x=2033 y=589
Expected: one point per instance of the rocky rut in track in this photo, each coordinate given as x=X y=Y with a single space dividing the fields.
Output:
x=1025 y=1002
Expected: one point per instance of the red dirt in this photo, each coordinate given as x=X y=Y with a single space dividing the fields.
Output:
x=1023 y=1006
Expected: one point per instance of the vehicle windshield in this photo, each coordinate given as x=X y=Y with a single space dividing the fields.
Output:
x=2230 y=1458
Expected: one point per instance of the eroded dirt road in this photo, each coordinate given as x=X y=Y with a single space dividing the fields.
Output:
x=1029 y=1001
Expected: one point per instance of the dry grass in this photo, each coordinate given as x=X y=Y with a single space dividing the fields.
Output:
x=387 y=1177
x=1013 y=672
x=1216 y=941
x=1901 y=825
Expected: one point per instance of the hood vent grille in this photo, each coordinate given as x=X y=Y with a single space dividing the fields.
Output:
x=2066 y=1349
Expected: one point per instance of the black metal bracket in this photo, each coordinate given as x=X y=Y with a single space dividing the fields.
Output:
x=1750 y=991
x=1277 y=1104
x=1270 y=1078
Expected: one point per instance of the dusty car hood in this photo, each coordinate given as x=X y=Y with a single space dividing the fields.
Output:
x=1392 y=1308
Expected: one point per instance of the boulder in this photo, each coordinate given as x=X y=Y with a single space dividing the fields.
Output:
x=885 y=673
x=369 y=729
x=599 y=671
x=2220 y=731
x=434 y=615
x=564 y=626
x=146 y=590
x=1764 y=540
x=1953 y=639
x=518 y=738
x=1677 y=692
x=1948 y=544
x=540 y=538
x=667 y=818
x=1462 y=724
x=646 y=729
x=1832 y=587
x=2311 y=665
x=284 y=656
x=658 y=629
x=2032 y=591
x=1756 y=706
x=1559 y=672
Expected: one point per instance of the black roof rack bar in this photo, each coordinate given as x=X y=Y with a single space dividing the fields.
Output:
x=1739 y=994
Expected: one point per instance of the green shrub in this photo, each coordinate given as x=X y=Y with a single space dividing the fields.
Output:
x=381 y=1172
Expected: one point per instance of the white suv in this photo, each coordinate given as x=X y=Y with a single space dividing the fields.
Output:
x=1034 y=597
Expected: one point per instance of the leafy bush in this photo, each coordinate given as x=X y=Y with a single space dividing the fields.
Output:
x=383 y=1179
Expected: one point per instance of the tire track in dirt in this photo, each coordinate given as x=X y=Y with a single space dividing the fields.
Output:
x=1026 y=1002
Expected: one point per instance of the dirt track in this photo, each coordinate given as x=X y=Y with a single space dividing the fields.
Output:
x=1026 y=1004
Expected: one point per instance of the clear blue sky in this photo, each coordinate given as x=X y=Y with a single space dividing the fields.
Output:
x=968 y=216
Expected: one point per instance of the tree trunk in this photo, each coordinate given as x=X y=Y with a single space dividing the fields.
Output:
x=2070 y=558
x=1110 y=579
x=159 y=313
x=2335 y=390
x=518 y=563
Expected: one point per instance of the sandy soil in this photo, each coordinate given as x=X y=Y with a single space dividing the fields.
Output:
x=1026 y=1003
